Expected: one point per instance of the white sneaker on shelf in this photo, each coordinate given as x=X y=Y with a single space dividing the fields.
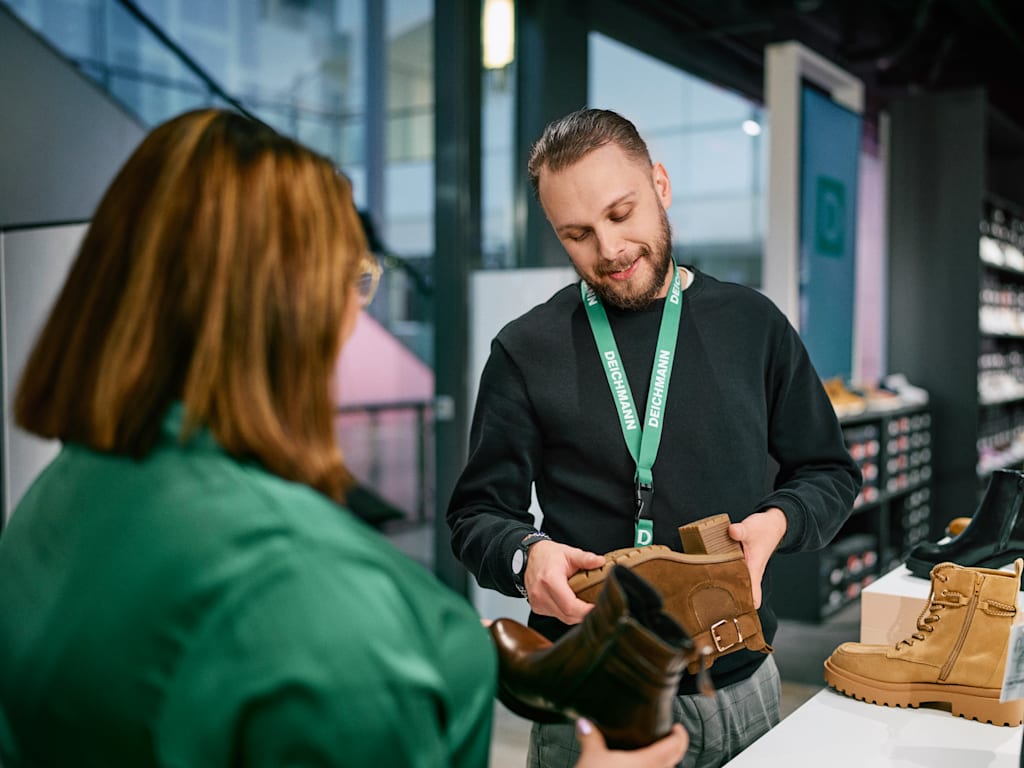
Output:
x=991 y=251
x=910 y=394
x=880 y=397
x=1013 y=257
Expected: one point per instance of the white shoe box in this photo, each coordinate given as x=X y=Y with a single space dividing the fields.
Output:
x=890 y=606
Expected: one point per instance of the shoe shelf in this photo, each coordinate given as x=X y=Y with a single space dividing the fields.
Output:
x=1000 y=440
x=890 y=515
x=1000 y=400
x=955 y=269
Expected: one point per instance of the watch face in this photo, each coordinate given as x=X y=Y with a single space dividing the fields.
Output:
x=517 y=561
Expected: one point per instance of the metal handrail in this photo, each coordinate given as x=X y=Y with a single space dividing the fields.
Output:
x=185 y=59
x=390 y=259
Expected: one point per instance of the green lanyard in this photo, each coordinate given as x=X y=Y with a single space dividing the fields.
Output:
x=642 y=441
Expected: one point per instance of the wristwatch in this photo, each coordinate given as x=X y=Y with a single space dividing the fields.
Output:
x=520 y=556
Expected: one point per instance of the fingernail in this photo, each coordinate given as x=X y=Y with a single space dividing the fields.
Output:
x=584 y=726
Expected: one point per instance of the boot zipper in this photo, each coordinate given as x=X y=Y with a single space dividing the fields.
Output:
x=948 y=666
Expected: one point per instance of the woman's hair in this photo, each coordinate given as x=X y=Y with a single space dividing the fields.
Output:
x=567 y=140
x=216 y=271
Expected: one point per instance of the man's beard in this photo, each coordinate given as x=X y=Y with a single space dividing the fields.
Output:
x=660 y=259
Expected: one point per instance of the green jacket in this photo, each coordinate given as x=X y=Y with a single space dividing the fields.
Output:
x=193 y=610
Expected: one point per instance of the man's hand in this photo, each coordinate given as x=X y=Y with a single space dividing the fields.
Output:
x=547 y=580
x=759 y=535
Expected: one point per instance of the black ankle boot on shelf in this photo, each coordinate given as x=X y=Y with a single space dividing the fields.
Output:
x=620 y=667
x=993 y=538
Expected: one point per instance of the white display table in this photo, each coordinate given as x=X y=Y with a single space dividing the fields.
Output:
x=840 y=732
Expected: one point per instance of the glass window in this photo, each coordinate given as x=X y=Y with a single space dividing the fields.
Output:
x=710 y=143
x=497 y=171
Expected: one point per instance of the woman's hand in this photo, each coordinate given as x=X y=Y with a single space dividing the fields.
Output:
x=664 y=753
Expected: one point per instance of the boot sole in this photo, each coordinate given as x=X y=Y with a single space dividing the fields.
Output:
x=923 y=569
x=529 y=712
x=968 y=702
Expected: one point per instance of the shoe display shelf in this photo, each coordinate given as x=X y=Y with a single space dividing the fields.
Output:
x=890 y=515
x=1000 y=440
x=955 y=283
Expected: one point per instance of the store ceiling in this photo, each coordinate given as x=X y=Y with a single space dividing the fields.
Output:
x=892 y=45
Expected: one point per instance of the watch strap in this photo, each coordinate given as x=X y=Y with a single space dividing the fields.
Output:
x=524 y=547
x=530 y=539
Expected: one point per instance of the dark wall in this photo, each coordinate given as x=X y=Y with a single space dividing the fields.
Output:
x=936 y=182
x=61 y=138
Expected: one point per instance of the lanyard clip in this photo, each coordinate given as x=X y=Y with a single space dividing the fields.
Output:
x=644 y=499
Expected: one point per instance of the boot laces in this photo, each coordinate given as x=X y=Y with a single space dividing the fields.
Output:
x=931 y=614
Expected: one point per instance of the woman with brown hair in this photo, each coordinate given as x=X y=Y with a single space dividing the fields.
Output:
x=180 y=586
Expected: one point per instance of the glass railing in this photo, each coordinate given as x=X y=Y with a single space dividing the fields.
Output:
x=118 y=47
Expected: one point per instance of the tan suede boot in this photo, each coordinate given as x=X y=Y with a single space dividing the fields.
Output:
x=707 y=589
x=957 y=656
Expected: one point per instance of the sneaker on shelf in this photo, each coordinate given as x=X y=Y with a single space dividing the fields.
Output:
x=910 y=394
x=991 y=251
x=844 y=402
x=1013 y=257
x=879 y=397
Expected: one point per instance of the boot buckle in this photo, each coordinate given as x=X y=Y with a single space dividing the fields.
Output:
x=717 y=637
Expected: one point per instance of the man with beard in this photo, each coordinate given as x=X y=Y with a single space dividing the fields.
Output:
x=643 y=346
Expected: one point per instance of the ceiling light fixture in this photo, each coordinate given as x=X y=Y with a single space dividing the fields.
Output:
x=499 y=33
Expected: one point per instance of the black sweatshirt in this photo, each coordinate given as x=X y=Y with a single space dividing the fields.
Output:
x=743 y=392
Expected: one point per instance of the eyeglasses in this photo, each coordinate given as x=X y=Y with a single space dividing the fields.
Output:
x=369 y=278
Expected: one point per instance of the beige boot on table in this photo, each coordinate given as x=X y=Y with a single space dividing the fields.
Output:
x=957 y=656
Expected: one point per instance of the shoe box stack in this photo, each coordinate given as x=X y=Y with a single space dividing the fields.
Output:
x=1000 y=437
x=848 y=566
x=908 y=451
x=1002 y=238
x=1000 y=373
x=890 y=515
x=908 y=467
x=914 y=526
x=1000 y=306
x=863 y=441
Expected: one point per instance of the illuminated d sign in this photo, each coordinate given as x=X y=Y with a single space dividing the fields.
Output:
x=830 y=217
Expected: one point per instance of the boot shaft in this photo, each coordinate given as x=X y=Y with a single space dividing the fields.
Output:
x=628 y=630
x=965 y=629
x=1000 y=509
x=620 y=666
x=993 y=537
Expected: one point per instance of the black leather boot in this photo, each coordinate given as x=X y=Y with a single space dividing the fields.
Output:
x=620 y=667
x=993 y=538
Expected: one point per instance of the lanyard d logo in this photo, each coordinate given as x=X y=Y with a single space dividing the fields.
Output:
x=642 y=441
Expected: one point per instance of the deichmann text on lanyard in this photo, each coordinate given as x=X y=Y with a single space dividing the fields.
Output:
x=642 y=441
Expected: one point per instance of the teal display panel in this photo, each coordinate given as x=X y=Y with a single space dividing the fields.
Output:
x=829 y=157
